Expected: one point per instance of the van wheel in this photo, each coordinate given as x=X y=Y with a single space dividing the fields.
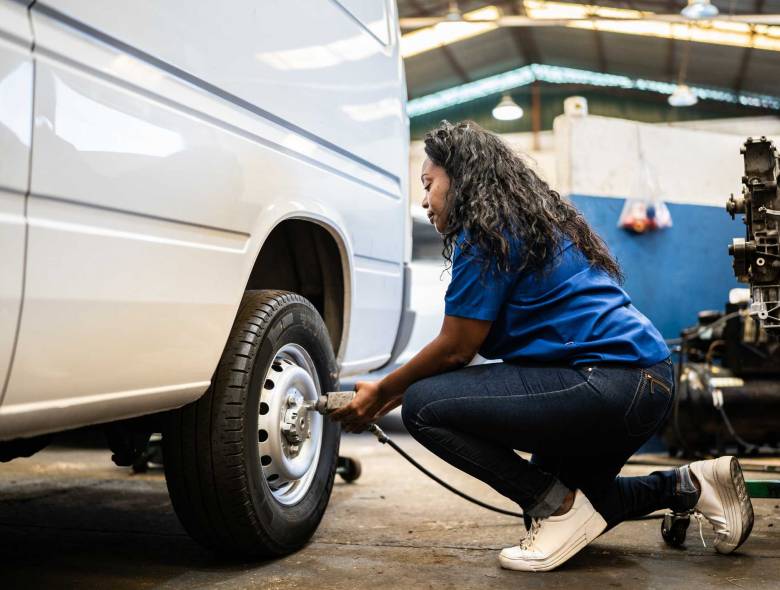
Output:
x=248 y=469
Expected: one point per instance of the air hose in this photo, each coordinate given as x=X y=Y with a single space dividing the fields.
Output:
x=385 y=440
x=338 y=399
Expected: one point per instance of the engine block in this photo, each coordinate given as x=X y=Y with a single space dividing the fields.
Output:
x=757 y=255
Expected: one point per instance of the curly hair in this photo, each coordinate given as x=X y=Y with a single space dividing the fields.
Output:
x=494 y=195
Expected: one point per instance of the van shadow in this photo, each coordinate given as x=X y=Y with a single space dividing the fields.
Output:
x=116 y=533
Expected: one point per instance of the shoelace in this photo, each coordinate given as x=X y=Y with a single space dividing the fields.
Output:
x=698 y=516
x=536 y=524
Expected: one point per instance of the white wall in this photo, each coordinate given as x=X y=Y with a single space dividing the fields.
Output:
x=607 y=157
x=744 y=126
x=694 y=162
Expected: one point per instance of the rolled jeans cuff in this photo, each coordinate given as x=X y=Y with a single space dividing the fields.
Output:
x=549 y=501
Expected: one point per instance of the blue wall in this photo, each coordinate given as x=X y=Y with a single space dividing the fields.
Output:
x=674 y=273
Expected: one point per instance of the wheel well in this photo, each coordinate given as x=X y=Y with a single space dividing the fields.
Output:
x=303 y=257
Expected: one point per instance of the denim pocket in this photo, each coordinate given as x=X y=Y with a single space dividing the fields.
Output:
x=649 y=405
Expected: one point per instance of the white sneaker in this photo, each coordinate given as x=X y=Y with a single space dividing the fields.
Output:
x=552 y=541
x=724 y=501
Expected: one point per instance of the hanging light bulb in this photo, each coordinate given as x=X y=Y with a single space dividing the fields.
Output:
x=682 y=97
x=454 y=14
x=507 y=109
x=699 y=9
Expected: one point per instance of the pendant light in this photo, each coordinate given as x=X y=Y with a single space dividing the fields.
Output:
x=682 y=95
x=507 y=109
x=699 y=10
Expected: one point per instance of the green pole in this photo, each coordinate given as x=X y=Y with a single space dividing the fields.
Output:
x=763 y=488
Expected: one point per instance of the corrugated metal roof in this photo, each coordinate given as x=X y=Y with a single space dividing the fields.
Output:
x=735 y=68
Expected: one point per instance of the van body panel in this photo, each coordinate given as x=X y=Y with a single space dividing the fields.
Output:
x=309 y=63
x=16 y=97
x=155 y=182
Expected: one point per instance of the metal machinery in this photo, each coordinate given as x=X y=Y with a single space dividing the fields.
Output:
x=728 y=386
x=757 y=256
x=735 y=403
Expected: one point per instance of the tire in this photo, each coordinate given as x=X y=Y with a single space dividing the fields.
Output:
x=221 y=451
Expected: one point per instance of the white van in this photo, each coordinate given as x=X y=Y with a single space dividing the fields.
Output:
x=203 y=223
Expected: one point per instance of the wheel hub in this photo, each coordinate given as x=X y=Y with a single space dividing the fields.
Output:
x=289 y=435
x=295 y=423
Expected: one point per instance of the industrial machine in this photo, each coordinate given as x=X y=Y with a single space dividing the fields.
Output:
x=728 y=378
x=757 y=256
x=728 y=385
x=729 y=363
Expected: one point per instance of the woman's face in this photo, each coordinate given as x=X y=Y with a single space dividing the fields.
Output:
x=437 y=186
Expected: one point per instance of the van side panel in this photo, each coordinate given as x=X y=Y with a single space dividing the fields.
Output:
x=311 y=63
x=150 y=200
x=16 y=89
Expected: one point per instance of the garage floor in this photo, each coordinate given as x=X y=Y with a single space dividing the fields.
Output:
x=70 y=519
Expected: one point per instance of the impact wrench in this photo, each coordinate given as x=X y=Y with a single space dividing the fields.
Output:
x=338 y=399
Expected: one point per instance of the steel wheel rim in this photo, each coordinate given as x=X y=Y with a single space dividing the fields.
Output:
x=288 y=472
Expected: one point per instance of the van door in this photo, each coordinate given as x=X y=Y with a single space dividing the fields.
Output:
x=16 y=95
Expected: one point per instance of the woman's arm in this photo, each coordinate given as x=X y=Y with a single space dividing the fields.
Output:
x=457 y=343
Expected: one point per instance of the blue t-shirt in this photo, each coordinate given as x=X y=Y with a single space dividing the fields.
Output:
x=573 y=313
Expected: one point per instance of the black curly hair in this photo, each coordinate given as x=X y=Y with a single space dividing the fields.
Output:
x=494 y=195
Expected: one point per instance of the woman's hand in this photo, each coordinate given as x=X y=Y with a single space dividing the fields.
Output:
x=456 y=344
x=369 y=405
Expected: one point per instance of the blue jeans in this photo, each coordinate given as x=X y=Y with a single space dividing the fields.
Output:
x=581 y=424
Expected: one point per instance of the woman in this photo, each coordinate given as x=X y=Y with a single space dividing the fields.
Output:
x=585 y=378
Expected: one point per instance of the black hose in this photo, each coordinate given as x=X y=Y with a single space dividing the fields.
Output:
x=749 y=447
x=385 y=440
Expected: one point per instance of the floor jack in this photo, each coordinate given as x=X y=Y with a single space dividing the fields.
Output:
x=349 y=469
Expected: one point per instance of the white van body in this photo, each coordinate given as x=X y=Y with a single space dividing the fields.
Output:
x=147 y=151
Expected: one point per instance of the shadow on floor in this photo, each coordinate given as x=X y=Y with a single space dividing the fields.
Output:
x=101 y=534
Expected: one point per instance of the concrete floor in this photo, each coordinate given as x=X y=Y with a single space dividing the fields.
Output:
x=70 y=519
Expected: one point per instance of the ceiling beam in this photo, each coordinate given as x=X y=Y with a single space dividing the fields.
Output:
x=446 y=50
x=739 y=79
x=671 y=47
x=601 y=54
x=523 y=38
